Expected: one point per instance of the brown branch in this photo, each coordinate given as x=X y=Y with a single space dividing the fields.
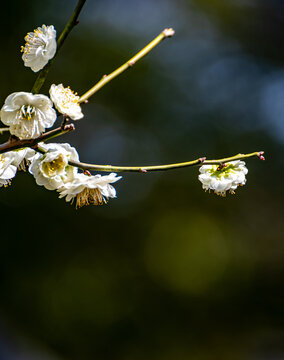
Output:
x=15 y=143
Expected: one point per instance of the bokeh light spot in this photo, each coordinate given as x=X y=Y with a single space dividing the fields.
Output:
x=187 y=252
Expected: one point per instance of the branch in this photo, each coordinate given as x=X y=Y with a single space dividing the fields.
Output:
x=14 y=143
x=107 y=78
x=40 y=80
x=144 y=169
x=258 y=154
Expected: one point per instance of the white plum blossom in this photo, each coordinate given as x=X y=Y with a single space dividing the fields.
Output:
x=7 y=168
x=66 y=101
x=88 y=190
x=27 y=115
x=51 y=169
x=40 y=47
x=22 y=157
x=226 y=177
x=11 y=161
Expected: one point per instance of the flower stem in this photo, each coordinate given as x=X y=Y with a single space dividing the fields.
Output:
x=107 y=78
x=40 y=80
x=14 y=143
x=144 y=169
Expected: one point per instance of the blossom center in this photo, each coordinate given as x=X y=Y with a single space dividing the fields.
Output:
x=53 y=167
x=27 y=112
x=33 y=39
x=68 y=97
x=222 y=171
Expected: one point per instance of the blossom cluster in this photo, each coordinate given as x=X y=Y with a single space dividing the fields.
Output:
x=52 y=170
x=28 y=115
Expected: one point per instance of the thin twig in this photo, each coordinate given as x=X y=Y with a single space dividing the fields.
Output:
x=40 y=80
x=14 y=143
x=144 y=169
x=107 y=78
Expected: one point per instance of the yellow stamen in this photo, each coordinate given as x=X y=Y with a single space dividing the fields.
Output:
x=90 y=197
x=52 y=167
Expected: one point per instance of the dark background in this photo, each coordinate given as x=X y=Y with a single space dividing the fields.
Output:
x=165 y=271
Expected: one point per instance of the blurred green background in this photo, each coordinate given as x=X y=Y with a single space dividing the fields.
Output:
x=165 y=271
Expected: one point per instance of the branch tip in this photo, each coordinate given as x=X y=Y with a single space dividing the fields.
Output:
x=201 y=160
x=169 y=32
x=260 y=155
x=142 y=170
